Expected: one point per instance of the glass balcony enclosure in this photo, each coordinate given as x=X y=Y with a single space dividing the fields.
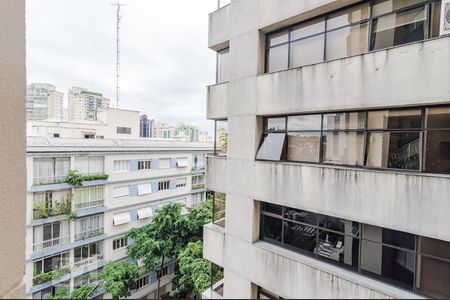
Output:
x=47 y=170
x=86 y=197
x=50 y=235
x=51 y=203
x=88 y=227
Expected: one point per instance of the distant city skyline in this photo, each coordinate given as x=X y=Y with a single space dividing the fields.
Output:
x=158 y=81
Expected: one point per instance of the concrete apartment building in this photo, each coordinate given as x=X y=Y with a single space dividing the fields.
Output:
x=44 y=102
x=84 y=104
x=146 y=126
x=12 y=129
x=73 y=231
x=334 y=174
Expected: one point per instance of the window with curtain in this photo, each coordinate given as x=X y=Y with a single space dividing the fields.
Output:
x=89 y=165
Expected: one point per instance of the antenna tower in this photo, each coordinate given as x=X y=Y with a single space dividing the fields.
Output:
x=118 y=19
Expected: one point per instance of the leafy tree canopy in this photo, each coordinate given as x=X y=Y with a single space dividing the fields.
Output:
x=119 y=278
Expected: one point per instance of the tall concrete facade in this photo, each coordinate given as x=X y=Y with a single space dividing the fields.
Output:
x=44 y=102
x=334 y=182
x=84 y=104
x=73 y=231
x=12 y=130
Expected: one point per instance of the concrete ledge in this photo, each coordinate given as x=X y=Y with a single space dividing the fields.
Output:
x=43 y=221
x=219 y=28
x=49 y=187
x=407 y=75
x=216 y=101
x=214 y=243
x=89 y=211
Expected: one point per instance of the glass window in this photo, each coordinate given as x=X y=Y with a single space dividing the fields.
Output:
x=338 y=224
x=300 y=216
x=434 y=247
x=276 y=124
x=437 y=153
x=348 y=16
x=272 y=208
x=307 y=29
x=271 y=228
x=389 y=236
x=388 y=264
x=278 y=38
x=433 y=277
x=339 y=248
x=277 y=58
x=381 y=7
x=304 y=146
x=219 y=208
x=398 y=150
x=343 y=148
x=299 y=236
x=398 y=28
x=395 y=119
x=221 y=138
x=336 y=121
x=307 y=51
x=272 y=147
x=438 y=117
x=347 y=41
x=305 y=122
x=435 y=19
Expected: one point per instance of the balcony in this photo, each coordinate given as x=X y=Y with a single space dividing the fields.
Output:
x=404 y=75
x=219 y=28
x=51 y=243
x=88 y=204
x=41 y=210
x=89 y=233
x=216 y=103
x=88 y=261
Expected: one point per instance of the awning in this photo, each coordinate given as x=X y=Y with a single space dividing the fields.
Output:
x=145 y=212
x=182 y=162
x=121 y=218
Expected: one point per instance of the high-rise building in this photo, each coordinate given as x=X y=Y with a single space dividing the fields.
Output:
x=44 y=102
x=190 y=132
x=63 y=251
x=84 y=104
x=335 y=182
x=12 y=163
x=203 y=136
x=163 y=131
x=146 y=126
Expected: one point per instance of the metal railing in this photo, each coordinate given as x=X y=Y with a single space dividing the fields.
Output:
x=87 y=261
x=49 y=179
x=51 y=243
x=88 y=204
x=88 y=233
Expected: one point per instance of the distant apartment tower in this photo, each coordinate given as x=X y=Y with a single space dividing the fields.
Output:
x=333 y=179
x=190 y=132
x=203 y=136
x=44 y=102
x=164 y=131
x=84 y=104
x=146 y=127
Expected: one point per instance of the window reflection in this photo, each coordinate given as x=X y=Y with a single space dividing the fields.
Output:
x=344 y=148
x=300 y=236
x=338 y=248
x=304 y=146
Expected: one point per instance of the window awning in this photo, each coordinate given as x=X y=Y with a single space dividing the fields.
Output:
x=182 y=162
x=145 y=212
x=121 y=218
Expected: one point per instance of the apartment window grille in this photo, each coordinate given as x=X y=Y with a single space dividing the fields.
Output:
x=86 y=197
x=416 y=263
x=163 y=185
x=356 y=29
x=142 y=282
x=89 y=165
x=144 y=165
x=412 y=139
x=121 y=166
x=123 y=130
x=120 y=243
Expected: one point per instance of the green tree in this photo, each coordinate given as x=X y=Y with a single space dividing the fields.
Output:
x=82 y=292
x=119 y=278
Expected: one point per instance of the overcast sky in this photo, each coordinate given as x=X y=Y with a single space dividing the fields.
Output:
x=165 y=62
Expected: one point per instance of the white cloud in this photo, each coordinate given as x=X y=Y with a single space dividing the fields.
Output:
x=165 y=63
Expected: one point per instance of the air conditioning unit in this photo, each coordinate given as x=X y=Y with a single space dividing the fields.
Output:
x=445 y=17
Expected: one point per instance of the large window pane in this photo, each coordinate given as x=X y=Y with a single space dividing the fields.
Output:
x=395 y=119
x=438 y=117
x=305 y=122
x=277 y=58
x=271 y=229
x=272 y=147
x=398 y=150
x=388 y=264
x=339 y=248
x=307 y=51
x=304 y=146
x=434 y=247
x=398 y=28
x=348 y=16
x=389 y=236
x=300 y=215
x=278 y=38
x=298 y=236
x=276 y=124
x=344 y=148
x=347 y=41
x=272 y=208
x=433 y=277
x=381 y=7
x=308 y=28
x=335 y=121
x=338 y=224
x=437 y=155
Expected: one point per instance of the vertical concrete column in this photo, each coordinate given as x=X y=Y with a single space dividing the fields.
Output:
x=239 y=287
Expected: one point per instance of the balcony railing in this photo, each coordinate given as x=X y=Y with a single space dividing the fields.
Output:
x=89 y=233
x=51 y=243
x=88 y=204
x=49 y=179
x=51 y=275
x=196 y=186
x=88 y=261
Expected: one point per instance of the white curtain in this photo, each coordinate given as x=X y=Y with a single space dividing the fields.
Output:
x=62 y=166
x=43 y=168
x=96 y=165
x=38 y=234
x=82 y=165
x=121 y=165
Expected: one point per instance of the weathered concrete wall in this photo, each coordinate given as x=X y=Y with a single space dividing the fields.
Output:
x=216 y=101
x=12 y=154
x=409 y=75
x=218 y=181
x=218 y=33
x=214 y=243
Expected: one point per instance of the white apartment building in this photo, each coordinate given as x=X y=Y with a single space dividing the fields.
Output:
x=163 y=131
x=84 y=104
x=111 y=123
x=333 y=179
x=44 y=102
x=73 y=231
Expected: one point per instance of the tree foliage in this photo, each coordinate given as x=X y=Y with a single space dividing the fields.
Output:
x=119 y=278
x=82 y=292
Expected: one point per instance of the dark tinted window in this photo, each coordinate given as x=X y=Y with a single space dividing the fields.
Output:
x=272 y=208
x=300 y=215
x=438 y=117
x=300 y=236
x=338 y=248
x=271 y=229
x=398 y=238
